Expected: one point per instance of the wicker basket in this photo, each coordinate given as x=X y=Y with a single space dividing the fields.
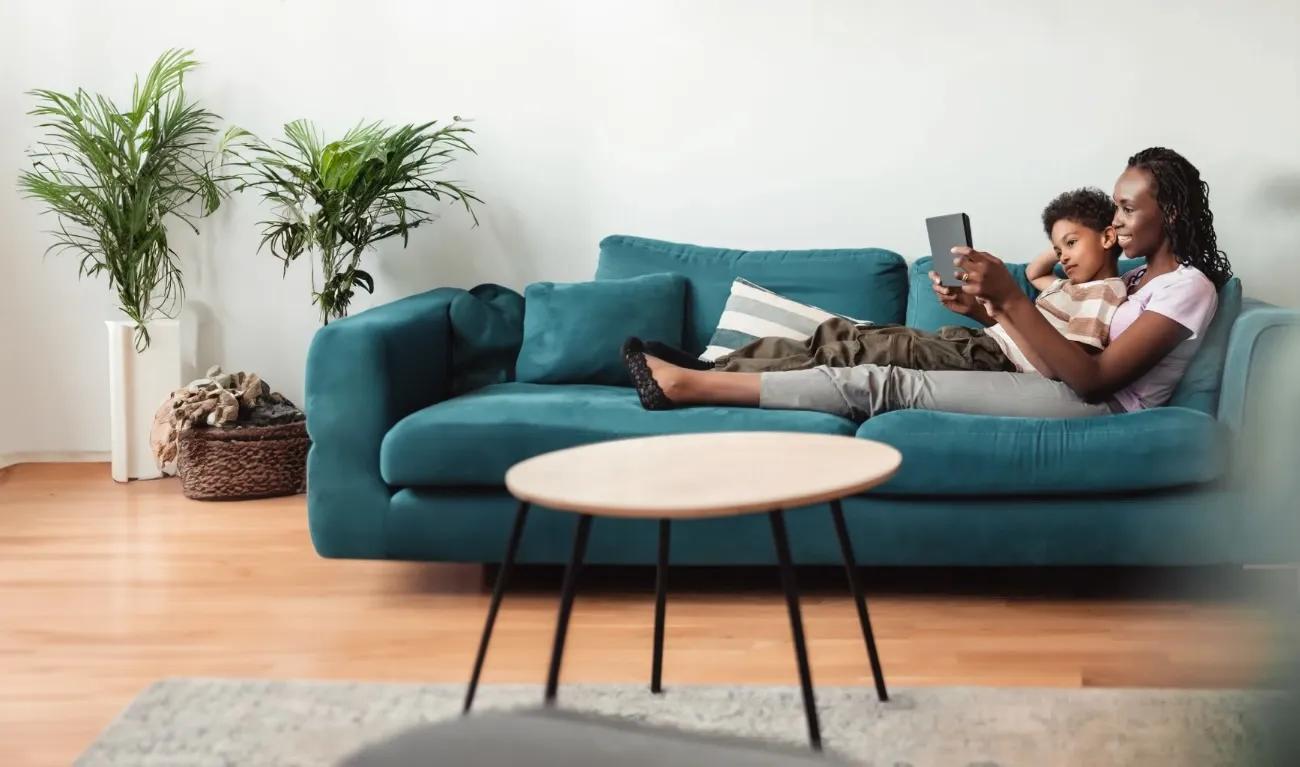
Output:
x=242 y=462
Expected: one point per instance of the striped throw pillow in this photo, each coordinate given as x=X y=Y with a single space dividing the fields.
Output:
x=754 y=312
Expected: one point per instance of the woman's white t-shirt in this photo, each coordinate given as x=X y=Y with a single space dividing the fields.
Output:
x=1185 y=296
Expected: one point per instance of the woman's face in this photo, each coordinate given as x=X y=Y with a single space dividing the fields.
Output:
x=1139 y=222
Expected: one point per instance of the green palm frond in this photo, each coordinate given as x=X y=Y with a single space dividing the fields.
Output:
x=337 y=198
x=114 y=178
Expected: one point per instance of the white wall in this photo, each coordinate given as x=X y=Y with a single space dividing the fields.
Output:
x=745 y=124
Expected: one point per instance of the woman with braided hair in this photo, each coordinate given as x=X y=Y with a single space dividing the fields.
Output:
x=1163 y=216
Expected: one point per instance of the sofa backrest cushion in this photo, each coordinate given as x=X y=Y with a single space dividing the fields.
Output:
x=573 y=331
x=924 y=312
x=1199 y=389
x=868 y=283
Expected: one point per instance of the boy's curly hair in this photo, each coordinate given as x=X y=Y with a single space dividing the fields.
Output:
x=1088 y=206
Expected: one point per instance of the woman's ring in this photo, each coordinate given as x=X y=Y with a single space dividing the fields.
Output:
x=964 y=277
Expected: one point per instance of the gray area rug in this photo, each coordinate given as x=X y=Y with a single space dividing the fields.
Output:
x=210 y=722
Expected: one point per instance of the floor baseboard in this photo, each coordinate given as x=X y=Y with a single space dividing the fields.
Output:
x=54 y=456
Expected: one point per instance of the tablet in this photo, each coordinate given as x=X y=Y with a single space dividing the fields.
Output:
x=946 y=233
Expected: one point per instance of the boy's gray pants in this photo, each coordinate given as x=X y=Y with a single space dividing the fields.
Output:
x=866 y=390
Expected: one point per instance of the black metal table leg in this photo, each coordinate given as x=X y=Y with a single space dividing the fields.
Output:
x=796 y=626
x=661 y=602
x=859 y=599
x=566 y=605
x=498 y=590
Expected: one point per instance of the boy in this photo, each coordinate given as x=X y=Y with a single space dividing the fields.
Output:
x=1079 y=226
x=1080 y=306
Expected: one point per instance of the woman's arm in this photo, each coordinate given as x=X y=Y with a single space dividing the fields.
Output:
x=1093 y=377
x=1042 y=270
x=962 y=303
x=1027 y=348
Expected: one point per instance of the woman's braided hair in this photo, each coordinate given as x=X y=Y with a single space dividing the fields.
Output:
x=1184 y=201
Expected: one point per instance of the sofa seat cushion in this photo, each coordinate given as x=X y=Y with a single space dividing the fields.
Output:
x=958 y=454
x=473 y=439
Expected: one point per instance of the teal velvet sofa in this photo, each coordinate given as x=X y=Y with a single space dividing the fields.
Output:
x=415 y=417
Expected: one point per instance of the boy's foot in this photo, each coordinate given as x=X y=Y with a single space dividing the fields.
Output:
x=639 y=368
x=675 y=356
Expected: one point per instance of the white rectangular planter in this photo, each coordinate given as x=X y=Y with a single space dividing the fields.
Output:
x=138 y=382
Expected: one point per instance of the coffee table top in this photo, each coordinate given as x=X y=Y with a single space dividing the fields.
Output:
x=703 y=475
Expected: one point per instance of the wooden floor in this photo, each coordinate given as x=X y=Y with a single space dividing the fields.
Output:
x=105 y=588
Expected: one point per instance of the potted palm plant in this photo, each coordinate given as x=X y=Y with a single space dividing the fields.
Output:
x=116 y=179
x=337 y=199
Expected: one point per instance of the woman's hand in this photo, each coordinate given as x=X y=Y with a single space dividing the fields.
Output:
x=986 y=278
x=952 y=298
x=955 y=300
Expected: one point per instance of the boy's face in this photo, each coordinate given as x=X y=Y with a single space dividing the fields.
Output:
x=1084 y=252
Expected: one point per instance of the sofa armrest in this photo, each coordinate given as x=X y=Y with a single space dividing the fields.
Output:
x=1259 y=334
x=1258 y=404
x=364 y=373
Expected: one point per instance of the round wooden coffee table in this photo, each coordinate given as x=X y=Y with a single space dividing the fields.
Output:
x=693 y=476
